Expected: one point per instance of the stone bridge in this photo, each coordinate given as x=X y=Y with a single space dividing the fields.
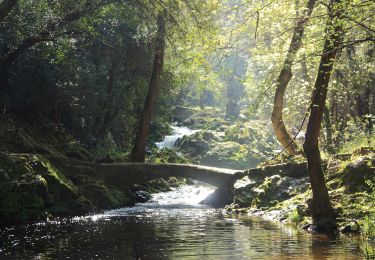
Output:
x=123 y=175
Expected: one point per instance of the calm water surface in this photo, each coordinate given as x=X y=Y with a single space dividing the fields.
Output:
x=171 y=226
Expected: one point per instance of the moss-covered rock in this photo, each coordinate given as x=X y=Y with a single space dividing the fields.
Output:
x=167 y=156
x=18 y=136
x=32 y=188
x=268 y=191
x=99 y=194
x=282 y=191
x=358 y=174
x=208 y=147
x=208 y=118
x=23 y=193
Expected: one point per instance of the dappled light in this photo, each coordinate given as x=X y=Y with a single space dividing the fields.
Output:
x=187 y=129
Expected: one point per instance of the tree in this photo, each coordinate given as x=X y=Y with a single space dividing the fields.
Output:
x=138 y=152
x=52 y=30
x=283 y=79
x=322 y=212
x=5 y=7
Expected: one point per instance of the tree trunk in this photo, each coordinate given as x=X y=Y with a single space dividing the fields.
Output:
x=328 y=126
x=283 y=80
x=104 y=117
x=323 y=215
x=138 y=153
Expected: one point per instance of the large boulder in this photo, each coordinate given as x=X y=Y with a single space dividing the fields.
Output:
x=264 y=187
x=208 y=147
x=32 y=188
x=359 y=174
x=29 y=187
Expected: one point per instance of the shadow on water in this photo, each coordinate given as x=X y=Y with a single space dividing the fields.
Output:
x=169 y=227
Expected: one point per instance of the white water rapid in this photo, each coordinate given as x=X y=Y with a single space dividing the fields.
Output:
x=178 y=132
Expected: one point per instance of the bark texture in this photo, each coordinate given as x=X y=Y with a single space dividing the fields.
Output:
x=283 y=79
x=138 y=153
x=323 y=215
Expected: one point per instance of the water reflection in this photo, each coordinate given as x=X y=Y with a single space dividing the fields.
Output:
x=157 y=230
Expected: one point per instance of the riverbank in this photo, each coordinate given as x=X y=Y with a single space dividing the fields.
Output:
x=35 y=186
x=281 y=191
x=37 y=183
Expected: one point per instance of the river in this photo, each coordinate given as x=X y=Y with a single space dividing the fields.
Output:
x=177 y=132
x=173 y=225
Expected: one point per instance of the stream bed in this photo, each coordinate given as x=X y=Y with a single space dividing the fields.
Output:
x=173 y=225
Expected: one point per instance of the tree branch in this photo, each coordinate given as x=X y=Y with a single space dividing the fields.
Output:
x=49 y=34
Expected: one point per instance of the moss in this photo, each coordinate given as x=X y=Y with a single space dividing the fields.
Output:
x=19 y=136
x=357 y=173
x=30 y=185
x=60 y=177
x=167 y=156
x=99 y=194
x=295 y=217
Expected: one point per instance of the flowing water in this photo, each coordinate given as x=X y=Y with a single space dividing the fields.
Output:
x=177 y=132
x=173 y=225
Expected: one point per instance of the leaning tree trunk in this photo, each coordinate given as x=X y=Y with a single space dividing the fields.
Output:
x=138 y=153
x=283 y=79
x=320 y=206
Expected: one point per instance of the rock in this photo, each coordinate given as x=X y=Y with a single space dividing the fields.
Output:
x=181 y=113
x=31 y=188
x=209 y=148
x=351 y=227
x=260 y=190
x=356 y=175
x=217 y=199
x=231 y=207
x=167 y=156
x=364 y=150
x=224 y=223
x=142 y=196
x=293 y=170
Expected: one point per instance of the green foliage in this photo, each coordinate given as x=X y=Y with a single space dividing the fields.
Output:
x=295 y=217
x=368 y=237
x=167 y=156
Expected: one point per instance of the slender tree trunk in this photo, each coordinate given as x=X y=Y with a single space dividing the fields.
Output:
x=283 y=80
x=323 y=215
x=104 y=117
x=138 y=153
